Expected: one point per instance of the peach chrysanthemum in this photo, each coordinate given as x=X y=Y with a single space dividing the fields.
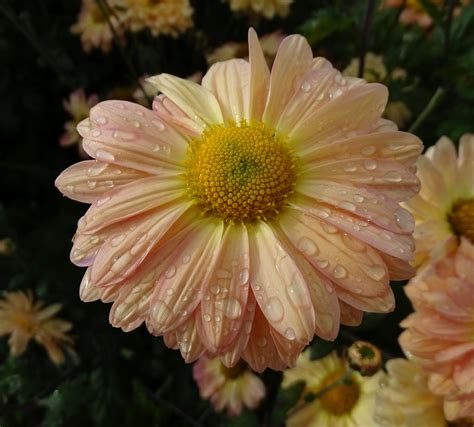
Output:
x=440 y=333
x=24 y=320
x=267 y=8
x=413 y=12
x=78 y=106
x=404 y=399
x=169 y=17
x=242 y=217
x=444 y=209
x=93 y=28
x=228 y=388
x=350 y=404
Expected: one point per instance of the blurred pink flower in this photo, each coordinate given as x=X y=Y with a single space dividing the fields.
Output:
x=440 y=333
x=242 y=217
x=228 y=388
x=78 y=106
x=413 y=12
x=444 y=209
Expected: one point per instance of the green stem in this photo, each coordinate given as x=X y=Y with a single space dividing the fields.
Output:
x=432 y=104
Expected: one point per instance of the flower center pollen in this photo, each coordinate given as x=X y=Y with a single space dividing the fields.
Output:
x=461 y=218
x=240 y=172
x=341 y=398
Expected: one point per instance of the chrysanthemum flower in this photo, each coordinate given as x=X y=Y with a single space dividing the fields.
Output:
x=228 y=388
x=169 y=17
x=413 y=12
x=78 y=106
x=404 y=399
x=241 y=217
x=267 y=8
x=444 y=209
x=350 y=404
x=93 y=28
x=24 y=320
x=440 y=333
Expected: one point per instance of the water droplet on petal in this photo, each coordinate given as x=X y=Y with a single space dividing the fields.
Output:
x=307 y=246
x=230 y=307
x=215 y=289
x=116 y=240
x=339 y=272
x=358 y=198
x=370 y=165
x=102 y=200
x=206 y=317
x=376 y=272
x=392 y=176
x=306 y=86
x=159 y=312
x=92 y=184
x=368 y=151
x=273 y=310
x=290 y=334
x=104 y=156
x=186 y=259
x=347 y=206
x=322 y=263
x=96 y=133
x=101 y=120
x=170 y=272
x=244 y=276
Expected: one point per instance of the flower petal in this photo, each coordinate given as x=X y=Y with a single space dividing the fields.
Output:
x=398 y=245
x=188 y=339
x=350 y=316
x=229 y=82
x=87 y=291
x=293 y=59
x=225 y=297
x=170 y=113
x=180 y=288
x=355 y=111
x=379 y=304
x=259 y=77
x=130 y=200
x=278 y=285
x=86 y=181
x=196 y=101
x=361 y=201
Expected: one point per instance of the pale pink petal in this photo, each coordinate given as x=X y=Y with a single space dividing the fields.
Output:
x=86 y=181
x=253 y=390
x=361 y=201
x=279 y=286
x=434 y=187
x=259 y=77
x=443 y=157
x=350 y=316
x=124 y=251
x=397 y=269
x=170 y=113
x=197 y=102
x=293 y=59
x=86 y=246
x=225 y=297
x=231 y=357
x=346 y=261
x=87 y=291
x=261 y=352
x=466 y=165
x=355 y=111
x=464 y=375
x=179 y=290
x=130 y=200
x=379 y=304
x=229 y=83
x=188 y=339
x=84 y=126
x=287 y=349
x=398 y=245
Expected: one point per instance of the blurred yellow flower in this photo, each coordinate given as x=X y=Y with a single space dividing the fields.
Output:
x=169 y=17
x=93 y=28
x=349 y=404
x=374 y=68
x=266 y=8
x=397 y=112
x=6 y=246
x=404 y=398
x=24 y=320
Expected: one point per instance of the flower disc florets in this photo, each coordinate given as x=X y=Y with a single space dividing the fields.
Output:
x=240 y=172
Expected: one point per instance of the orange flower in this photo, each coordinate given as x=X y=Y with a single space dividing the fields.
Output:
x=242 y=217
x=230 y=388
x=440 y=333
x=25 y=320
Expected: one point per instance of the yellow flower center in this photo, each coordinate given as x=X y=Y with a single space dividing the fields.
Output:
x=341 y=398
x=240 y=172
x=236 y=371
x=461 y=218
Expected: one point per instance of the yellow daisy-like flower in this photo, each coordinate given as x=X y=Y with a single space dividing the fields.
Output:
x=348 y=404
x=93 y=28
x=228 y=388
x=266 y=8
x=444 y=209
x=25 y=320
x=404 y=399
x=241 y=217
x=374 y=68
x=169 y=17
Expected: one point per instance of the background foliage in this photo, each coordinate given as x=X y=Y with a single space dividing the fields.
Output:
x=132 y=379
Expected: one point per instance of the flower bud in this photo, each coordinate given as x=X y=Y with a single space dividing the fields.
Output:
x=364 y=357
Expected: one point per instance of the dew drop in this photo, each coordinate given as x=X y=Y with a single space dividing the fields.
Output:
x=70 y=188
x=92 y=184
x=101 y=120
x=116 y=240
x=206 y=317
x=290 y=334
x=160 y=311
x=261 y=341
x=215 y=289
x=350 y=167
x=376 y=272
x=230 y=307
x=159 y=125
x=95 y=133
x=329 y=228
x=368 y=151
x=306 y=87
x=274 y=310
x=104 y=156
x=358 y=198
x=170 y=272
x=307 y=246
x=323 y=263
x=169 y=291
x=186 y=259
x=370 y=165
x=339 y=272
x=244 y=276
x=392 y=176
x=347 y=206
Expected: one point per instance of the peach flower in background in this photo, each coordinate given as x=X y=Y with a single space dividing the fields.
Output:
x=78 y=106
x=24 y=320
x=440 y=333
x=350 y=404
x=269 y=43
x=93 y=28
x=444 y=209
x=242 y=217
x=228 y=388
x=413 y=12
x=168 y=17
x=404 y=399
x=267 y=8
